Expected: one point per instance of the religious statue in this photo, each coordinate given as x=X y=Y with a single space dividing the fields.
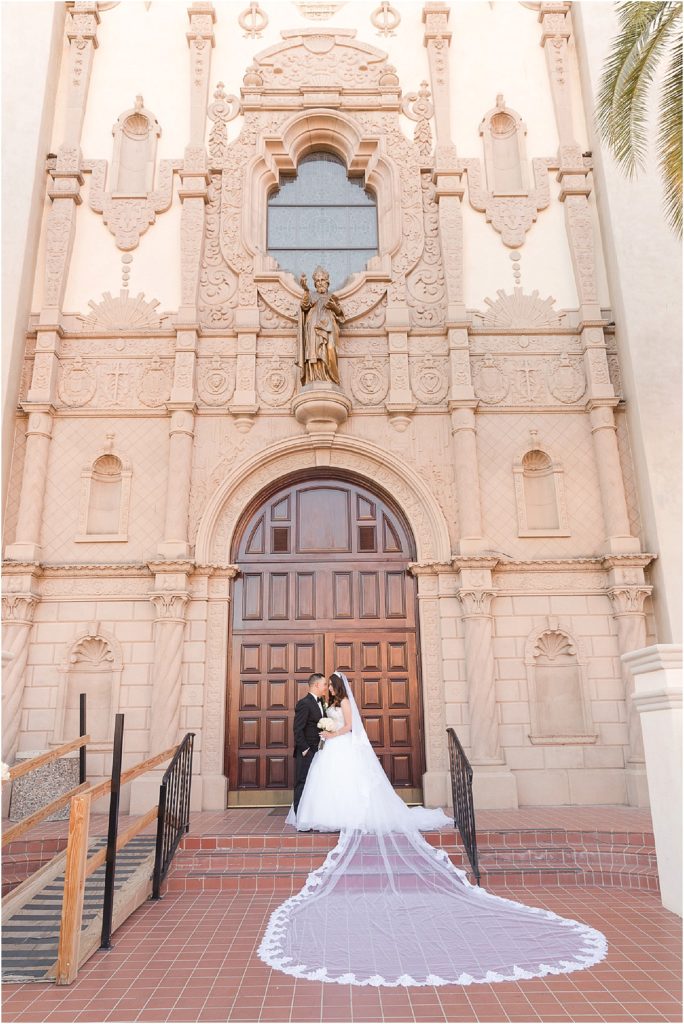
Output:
x=318 y=331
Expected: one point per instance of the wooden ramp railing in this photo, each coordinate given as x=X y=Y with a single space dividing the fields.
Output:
x=76 y=945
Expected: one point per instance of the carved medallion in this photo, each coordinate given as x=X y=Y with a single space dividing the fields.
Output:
x=155 y=384
x=567 y=382
x=275 y=382
x=429 y=380
x=77 y=384
x=217 y=383
x=490 y=382
x=370 y=381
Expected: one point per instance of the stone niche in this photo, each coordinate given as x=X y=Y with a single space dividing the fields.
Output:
x=92 y=665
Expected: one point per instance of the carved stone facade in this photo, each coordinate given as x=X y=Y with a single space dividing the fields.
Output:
x=492 y=422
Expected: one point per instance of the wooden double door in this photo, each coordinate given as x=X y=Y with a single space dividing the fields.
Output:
x=323 y=586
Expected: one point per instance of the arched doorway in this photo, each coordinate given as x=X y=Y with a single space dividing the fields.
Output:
x=323 y=584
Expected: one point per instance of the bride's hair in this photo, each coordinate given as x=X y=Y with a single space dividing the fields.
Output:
x=339 y=692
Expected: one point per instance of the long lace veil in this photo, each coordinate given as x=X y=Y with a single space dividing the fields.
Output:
x=387 y=908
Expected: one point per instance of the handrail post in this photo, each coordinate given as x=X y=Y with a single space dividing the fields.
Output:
x=110 y=862
x=74 y=890
x=159 y=849
x=82 y=732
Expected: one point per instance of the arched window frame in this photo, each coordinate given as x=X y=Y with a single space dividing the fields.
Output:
x=558 y=476
x=537 y=736
x=88 y=473
x=113 y=667
x=488 y=143
x=325 y=131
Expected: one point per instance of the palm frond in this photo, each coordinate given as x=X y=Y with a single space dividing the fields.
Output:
x=670 y=139
x=646 y=30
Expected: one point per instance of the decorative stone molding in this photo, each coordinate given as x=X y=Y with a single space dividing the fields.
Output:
x=520 y=309
x=123 y=313
x=321 y=407
x=418 y=107
x=562 y=717
x=91 y=663
x=128 y=214
x=253 y=20
x=385 y=18
x=221 y=112
x=509 y=203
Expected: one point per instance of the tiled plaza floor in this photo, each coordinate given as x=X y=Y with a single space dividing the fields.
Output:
x=192 y=958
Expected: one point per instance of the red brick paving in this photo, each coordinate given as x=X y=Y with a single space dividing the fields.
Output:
x=192 y=958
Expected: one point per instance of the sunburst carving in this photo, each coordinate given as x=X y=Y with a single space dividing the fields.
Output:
x=123 y=313
x=553 y=644
x=521 y=310
x=93 y=651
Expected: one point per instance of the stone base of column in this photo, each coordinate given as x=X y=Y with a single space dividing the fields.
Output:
x=22 y=551
x=214 y=792
x=494 y=786
x=436 y=789
x=472 y=545
x=174 y=550
x=145 y=792
x=637 y=784
x=621 y=546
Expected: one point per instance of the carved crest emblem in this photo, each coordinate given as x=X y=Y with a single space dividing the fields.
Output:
x=217 y=384
x=276 y=382
x=370 y=382
x=155 y=385
x=429 y=380
x=77 y=385
x=490 y=382
x=566 y=381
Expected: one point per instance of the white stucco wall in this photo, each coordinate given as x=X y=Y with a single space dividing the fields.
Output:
x=644 y=264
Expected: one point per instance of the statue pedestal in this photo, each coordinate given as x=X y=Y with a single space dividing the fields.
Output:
x=321 y=407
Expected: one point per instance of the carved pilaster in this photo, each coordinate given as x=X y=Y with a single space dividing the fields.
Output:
x=81 y=31
x=181 y=434
x=611 y=483
x=170 y=604
x=628 y=612
x=201 y=39
x=437 y=40
x=484 y=722
x=556 y=32
x=244 y=404
x=18 y=608
x=467 y=478
x=26 y=546
x=400 y=400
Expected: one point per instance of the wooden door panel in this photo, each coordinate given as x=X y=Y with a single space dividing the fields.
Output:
x=323 y=585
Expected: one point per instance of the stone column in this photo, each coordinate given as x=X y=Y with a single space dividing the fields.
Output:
x=167 y=676
x=436 y=780
x=611 y=484
x=181 y=434
x=467 y=478
x=18 y=607
x=628 y=611
x=493 y=782
x=26 y=546
x=657 y=673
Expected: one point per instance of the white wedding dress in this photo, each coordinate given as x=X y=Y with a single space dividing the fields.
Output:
x=387 y=908
x=346 y=788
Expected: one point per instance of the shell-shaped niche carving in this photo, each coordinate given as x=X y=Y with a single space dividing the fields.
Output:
x=93 y=651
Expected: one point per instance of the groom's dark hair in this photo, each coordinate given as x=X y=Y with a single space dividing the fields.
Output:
x=313 y=677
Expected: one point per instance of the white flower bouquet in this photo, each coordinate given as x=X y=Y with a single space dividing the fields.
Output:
x=4 y=772
x=326 y=725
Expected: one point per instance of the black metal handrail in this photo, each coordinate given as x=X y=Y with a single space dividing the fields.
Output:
x=462 y=794
x=173 y=819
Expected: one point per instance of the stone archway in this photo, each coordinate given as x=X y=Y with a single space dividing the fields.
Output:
x=380 y=469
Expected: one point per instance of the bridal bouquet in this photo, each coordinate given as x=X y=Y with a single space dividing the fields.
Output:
x=326 y=725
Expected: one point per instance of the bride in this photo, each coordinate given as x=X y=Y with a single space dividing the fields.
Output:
x=366 y=802
x=386 y=907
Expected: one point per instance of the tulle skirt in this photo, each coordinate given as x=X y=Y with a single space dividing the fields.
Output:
x=346 y=788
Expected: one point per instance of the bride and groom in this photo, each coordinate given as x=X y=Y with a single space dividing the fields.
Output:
x=386 y=907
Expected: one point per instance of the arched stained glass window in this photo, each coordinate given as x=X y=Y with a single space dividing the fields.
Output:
x=321 y=216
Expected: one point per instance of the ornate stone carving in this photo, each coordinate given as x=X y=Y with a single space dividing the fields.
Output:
x=425 y=286
x=418 y=107
x=155 y=384
x=77 y=384
x=370 y=381
x=124 y=313
x=566 y=380
x=17 y=614
x=429 y=379
x=224 y=109
x=128 y=216
x=490 y=382
x=385 y=18
x=253 y=20
x=484 y=724
x=217 y=382
x=93 y=650
x=170 y=610
x=333 y=58
x=276 y=381
x=521 y=310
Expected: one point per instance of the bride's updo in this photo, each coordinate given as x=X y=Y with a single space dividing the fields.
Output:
x=339 y=692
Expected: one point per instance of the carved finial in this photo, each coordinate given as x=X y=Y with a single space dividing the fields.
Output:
x=139 y=103
x=219 y=93
x=500 y=101
x=534 y=434
x=109 y=442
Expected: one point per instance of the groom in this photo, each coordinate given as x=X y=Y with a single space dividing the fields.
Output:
x=308 y=713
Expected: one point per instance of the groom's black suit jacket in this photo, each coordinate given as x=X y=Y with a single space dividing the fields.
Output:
x=308 y=713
